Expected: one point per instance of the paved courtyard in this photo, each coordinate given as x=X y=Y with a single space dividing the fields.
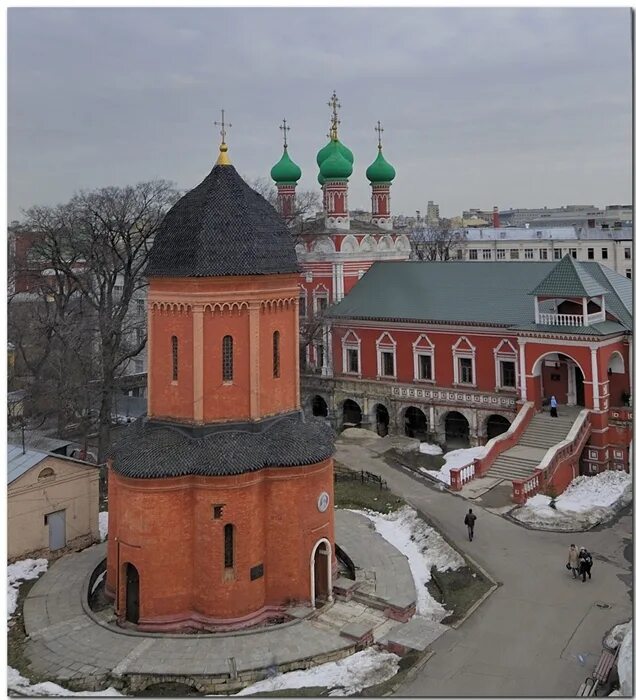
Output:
x=68 y=642
x=540 y=632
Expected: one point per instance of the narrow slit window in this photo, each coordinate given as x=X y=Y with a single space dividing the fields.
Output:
x=228 y=532
x=175 y=358
x=228 y=358
x=276 y=348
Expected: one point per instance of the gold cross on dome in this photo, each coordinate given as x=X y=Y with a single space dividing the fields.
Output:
x=222 y=124
x=284 y=128
x=335 y=106
x=379 y=129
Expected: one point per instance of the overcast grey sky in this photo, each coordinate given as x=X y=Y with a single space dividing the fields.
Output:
x=481 y=107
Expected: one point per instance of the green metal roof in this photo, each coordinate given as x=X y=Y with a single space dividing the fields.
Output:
x=568 y=279
x=492 y=293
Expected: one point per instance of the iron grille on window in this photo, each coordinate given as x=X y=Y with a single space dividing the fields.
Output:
x=508 y=378
x=388 y=368
x=276 y=349
x=228 y=358
x=228 y=533
x=465 y=370
x=175 y=358
x=426 y=367
x=352 y=360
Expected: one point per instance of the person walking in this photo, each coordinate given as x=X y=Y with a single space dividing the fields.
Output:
x=585 y=563
x=573 y=560
x=469 y=521
x=553 y=406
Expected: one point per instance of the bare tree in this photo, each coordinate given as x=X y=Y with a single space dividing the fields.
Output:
x=97 y=246
x=437 y=242
x=306 y=203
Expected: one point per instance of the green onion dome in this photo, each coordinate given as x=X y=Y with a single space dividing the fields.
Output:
x=285 y=171
x=336 y=167
x=333 y=145
x=321 y=179
x=380 y=170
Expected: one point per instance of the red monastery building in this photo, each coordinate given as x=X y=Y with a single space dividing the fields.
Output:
x=221 y=499
x=470 y=353
x=334 y=250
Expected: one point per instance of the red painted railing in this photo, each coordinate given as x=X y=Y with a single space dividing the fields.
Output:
x=506 y=440
x=568 y=449
x=460 y=475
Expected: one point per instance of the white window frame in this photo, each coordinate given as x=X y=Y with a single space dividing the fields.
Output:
x=543 y=254
x=528 y=254
x=385 y=343
x=423 y=346
x=514 y=253
x=472 y=254
x=302 y=295
x=351 y=341
x=501 y=254
x=506 y=352
x=320 y=292
x=459 y=354
x=486 y=254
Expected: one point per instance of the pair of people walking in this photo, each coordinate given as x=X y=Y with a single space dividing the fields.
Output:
x=579 y=562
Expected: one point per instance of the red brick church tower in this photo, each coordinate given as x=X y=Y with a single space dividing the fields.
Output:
x=221 y=498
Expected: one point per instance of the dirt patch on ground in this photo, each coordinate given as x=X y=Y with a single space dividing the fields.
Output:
x=354 y=493
x=457 y=590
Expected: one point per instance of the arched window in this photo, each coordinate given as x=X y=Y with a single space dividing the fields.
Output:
x=276 y=348
x=228 y=358
x=228 y=532
x=46 y=473
x=175 y=358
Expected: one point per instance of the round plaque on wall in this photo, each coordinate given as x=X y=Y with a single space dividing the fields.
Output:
x=323 y=501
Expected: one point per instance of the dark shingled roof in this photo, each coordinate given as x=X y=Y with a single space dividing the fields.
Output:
x=150 y=449
x=222 y=227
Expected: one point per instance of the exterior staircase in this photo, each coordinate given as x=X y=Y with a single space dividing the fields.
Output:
x=543 y=431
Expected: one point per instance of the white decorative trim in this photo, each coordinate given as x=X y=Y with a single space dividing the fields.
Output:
x=465 y=355
x=455 y=396
x=383 y=345
x=503 y=355
x=427 y=349
x=312 y=567
x=320 y=292
x=351 y=341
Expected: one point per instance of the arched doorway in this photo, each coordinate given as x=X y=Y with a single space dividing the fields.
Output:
x=321 y=573
x=496 y=425
x=457 y=430
x=618 y=380
x=351 y=414
x=382 y=420
x=319 y=407
x=132 y=594
x=415 y=423
x=559 y=375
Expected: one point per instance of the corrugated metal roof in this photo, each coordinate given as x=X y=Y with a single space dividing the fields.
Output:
x=568 y=278
x=18 y=463
x=493 y=293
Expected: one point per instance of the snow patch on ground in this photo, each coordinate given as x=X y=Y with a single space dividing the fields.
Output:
x=588 y=501
x=625 y=663
x=424 y=548
x=616 y=635
x=455 y=459
x=347 y=676
x=19 y=683
x=358 y=433
x=428 y=448
x=103 y=525
x=23 y=570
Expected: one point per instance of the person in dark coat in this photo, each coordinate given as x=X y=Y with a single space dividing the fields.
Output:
x=585 y=563
x=469 y=521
